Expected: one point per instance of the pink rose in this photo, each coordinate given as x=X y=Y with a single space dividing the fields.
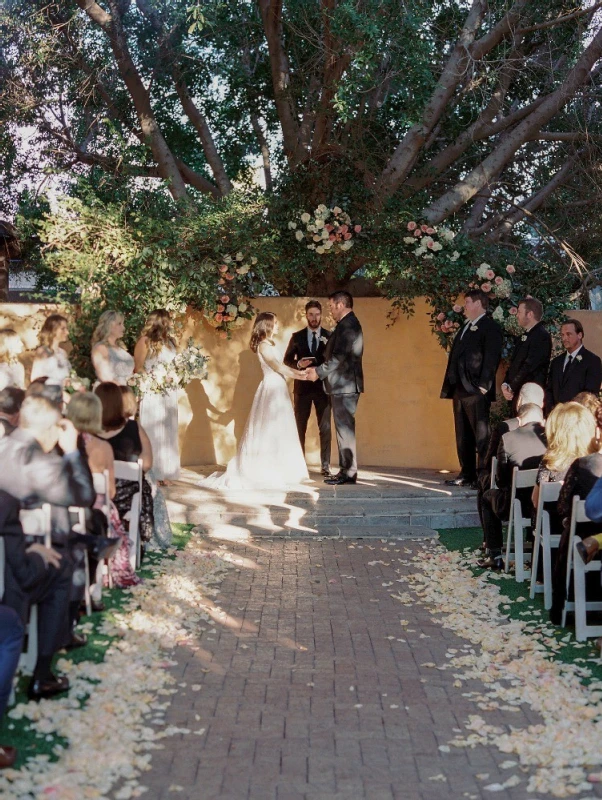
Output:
x=357 y=228
x=486 y=287
x=228 y=276
x=221 y=282
x=490 y=274
x=424 y=228
x=343 y=228
x=328 y=228
x=417 y=232
x=514 y=311
x=455 y=325
x=225 y=298
x=430 y=231
x=219 y=317
x=430 y=244
x=412 y=226
x=332 y=237
x=347 y=236
x=223 y=268
x=221 y=308
x=441 y=316
x=499 y=280
x=510 y=269
x=457 y=309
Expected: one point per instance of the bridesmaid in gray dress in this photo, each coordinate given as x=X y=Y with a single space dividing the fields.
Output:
x=111 y=360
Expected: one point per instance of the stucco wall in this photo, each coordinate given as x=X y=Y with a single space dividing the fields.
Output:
x=401 y=421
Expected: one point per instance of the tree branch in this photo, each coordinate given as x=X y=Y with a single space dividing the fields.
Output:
x=562 y=19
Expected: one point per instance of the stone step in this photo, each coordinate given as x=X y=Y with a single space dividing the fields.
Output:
x=402 y=532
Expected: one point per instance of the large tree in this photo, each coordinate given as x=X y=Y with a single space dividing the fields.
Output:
x=485 y=112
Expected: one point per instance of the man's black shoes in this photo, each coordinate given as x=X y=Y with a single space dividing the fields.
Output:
x=340 y=479
x=326 y=472
x=461 y=481
x=40 y=689
x=494 y=563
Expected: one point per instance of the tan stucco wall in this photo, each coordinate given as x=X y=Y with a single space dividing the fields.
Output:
x=401 y=422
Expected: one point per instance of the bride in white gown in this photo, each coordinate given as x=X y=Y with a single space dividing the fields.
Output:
x=269 y=453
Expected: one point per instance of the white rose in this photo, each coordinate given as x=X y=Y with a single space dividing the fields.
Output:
x=327 y=244
x=298 y=235
x=454 y=256
x=305 y=217
x=437 y=246
x=325 y=234
x=347 y=245
x=292 y=226
x=312 y=228
x=419 y=251
x=227 y=259
x=253 y=260
x=242 y=308
x=231 y=309
x=319 y=223
x=409 y=239
x=337 y=210
x=317 y=238
x=239 y=256
x=243 y=270
x=320 y=250
x=311 y=247
x=321 y=208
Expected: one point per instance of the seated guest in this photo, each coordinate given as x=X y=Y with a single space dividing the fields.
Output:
x=573 y=371
x=129 y=443
x=41 y=388
x=85 y=412
x=12 y=633
x=580 y=479
x=12 y=372
x=589 y=400
x=35 y=574
x=11 y=400
x=522 y=448
x=130 y=402
x=590 y=546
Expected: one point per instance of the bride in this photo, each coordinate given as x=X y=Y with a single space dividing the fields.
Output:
x=269 y=453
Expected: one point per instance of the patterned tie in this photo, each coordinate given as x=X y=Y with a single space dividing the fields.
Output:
x=314 y=343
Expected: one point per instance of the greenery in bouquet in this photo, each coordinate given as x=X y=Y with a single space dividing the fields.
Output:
x=74 y=383
x=327 y=230
x=190 y=364
x=234 y=285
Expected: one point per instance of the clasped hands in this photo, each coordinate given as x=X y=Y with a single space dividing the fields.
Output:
x=308 y=374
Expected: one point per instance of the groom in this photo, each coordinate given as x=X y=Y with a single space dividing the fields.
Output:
x=343 y=381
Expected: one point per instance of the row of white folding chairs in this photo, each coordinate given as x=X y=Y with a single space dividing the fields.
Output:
x=518 y=525
x=545 y=542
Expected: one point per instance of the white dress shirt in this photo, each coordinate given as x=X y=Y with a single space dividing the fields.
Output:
x=469 y=323
x=570 y=355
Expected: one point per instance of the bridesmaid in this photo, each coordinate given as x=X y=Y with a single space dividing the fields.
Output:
x=159 y=412
x=112 y=362
x=50 y=359
x=12 y=372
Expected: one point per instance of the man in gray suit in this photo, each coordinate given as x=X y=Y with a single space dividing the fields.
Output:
x=343 y=381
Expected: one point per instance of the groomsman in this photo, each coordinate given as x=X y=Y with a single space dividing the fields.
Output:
x=576 y=370
x=306 y=349
x=531 y=357
x=470 y=382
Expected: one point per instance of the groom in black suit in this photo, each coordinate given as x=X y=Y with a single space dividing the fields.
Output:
x=343 y=381
x=576 y=370
x=470 y=382
x=306 y=349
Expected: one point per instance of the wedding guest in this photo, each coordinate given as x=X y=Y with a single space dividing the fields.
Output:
x=35 y=574
x=12 y=372
x=129 y=442
x=343 y=376
x=470 y=383
x=12 y=633
x=110 y=359
x=85 y=412
x=531 y=357
x=41 y=388
x=130 y=402
x=522 y=448
x=580 y=479
x=11 y=400
x=50 y=360
x=589 y=401
x=156 y=348
x=574 y=371
x=306 y=348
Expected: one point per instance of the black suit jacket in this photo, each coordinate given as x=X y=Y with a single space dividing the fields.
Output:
x=342 y=370
x=35 y=477
x=522 y=448
x=22 y=570
x=298 y=348
x=530 y=359
x=474 y=359
x=584 y=375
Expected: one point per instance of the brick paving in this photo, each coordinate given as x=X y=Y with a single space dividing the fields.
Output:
x=303 y=696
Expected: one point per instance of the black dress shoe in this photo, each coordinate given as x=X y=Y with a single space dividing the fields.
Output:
x=461 y=481
x=76 y=641
x=39 y=689
x=99 y=547
x=340 y=479
x=98 y=605
x=326 y=472
x=494 y=563
x=8 y=756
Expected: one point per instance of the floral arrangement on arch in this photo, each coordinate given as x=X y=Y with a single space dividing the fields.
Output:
x=188 y=365
x=232 y=307
x=426 y=241
x=502 y=296
x=328 y=230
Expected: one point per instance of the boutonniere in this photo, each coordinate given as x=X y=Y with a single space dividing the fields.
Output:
x=323 y=339
x=523 y=338
x=579 y=358
x=474 y=328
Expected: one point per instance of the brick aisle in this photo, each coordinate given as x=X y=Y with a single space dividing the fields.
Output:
x=304 y=696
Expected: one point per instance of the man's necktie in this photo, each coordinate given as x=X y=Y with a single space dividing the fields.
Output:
x=567 y=364
x=466 y=327
x=314 y=343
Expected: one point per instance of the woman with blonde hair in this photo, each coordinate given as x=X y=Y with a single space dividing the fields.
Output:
x=269 y=453
x=112 y=362
x=154 y=351
x=50 y=359
x=12 y=372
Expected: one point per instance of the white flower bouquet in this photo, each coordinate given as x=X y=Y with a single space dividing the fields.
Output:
x=74 y=383
x=426 y=241
x=188 y=365
x=328 y=230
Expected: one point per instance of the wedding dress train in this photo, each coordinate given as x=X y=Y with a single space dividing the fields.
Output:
x=269 y=453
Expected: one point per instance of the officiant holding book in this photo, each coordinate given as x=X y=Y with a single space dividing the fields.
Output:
x=306 y=349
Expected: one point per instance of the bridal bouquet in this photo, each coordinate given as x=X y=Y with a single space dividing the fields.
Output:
x=188 y=365
x=74 y=383
x=328 y=230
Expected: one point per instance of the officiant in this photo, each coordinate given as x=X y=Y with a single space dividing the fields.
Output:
x=305 y=349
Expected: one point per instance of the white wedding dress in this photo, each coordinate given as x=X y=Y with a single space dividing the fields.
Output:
x=269 y=453
x=159 y=418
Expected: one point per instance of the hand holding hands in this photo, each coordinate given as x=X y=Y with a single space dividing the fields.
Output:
x=304 y=362
x=312 y=375
x=507 y=391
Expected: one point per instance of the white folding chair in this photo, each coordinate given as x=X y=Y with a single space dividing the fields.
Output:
x=517 y=524
x=492 y=483
x=132 y=471
x=101 y=487
x=80 y=527
x=580 y=606
x=35 y=522
x=544 y=542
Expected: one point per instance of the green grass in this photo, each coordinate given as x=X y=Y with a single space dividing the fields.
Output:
x=19 y=733
x=457 y=539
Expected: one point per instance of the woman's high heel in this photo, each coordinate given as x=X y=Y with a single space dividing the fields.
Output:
x=588 y=548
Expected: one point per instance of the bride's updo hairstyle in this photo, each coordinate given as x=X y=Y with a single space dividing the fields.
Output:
x=158 y=330
x=263 y=328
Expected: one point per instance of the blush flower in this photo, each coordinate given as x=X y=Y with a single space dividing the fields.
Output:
x=499 y=280
x=457 y=309
x=490 y=274
x=513 y=311
x=412 y=226
x=225 y=298
x=441 y=316
x=486 y=287
x=510 y=269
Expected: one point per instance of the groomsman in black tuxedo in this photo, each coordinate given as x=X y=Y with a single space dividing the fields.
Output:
x=576 y=370
x=470 y=382
x=532 y=351
x=306 y=349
